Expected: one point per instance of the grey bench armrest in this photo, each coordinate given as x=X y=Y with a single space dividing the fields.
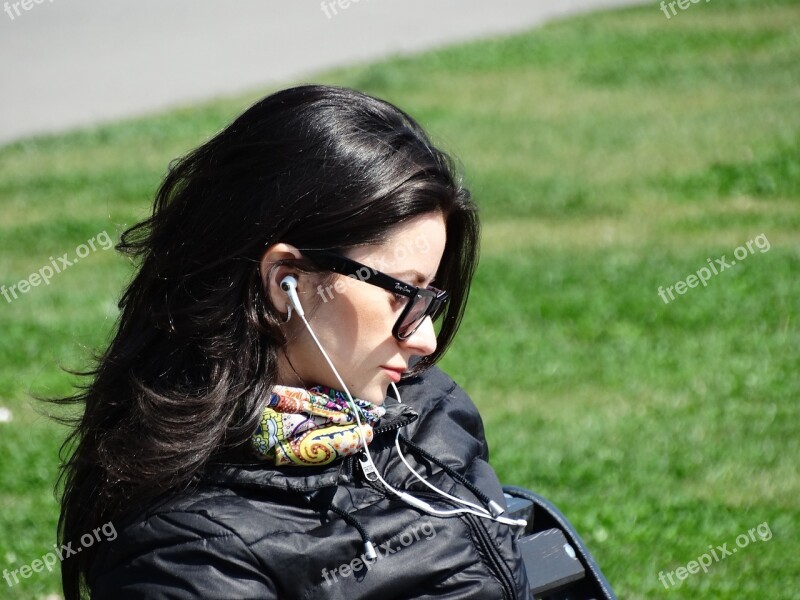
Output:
x=558 y=563
x=550 y=562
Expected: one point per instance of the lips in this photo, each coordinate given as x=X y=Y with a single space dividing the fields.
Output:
x=394 y=372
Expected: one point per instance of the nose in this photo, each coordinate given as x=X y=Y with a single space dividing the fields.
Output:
x=423 y=341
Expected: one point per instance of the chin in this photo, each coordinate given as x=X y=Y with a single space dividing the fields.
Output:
x=374 y=393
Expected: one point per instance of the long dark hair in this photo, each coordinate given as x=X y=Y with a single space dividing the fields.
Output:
x=195 y=349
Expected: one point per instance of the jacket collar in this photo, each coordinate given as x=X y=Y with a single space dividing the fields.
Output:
x=259 y=474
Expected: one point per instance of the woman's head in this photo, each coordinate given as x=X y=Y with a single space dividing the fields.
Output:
x=369 y=331
x=311 y=167
x=202 y=335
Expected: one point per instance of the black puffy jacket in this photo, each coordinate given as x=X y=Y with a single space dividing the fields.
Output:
x=259 y=531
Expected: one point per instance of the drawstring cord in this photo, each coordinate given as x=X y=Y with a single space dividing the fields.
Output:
x=369 y=548
x=490 y=504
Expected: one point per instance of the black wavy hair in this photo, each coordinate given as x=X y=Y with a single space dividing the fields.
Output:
x=194 y=351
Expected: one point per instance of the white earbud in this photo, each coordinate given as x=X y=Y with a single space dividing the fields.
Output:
x=289 y=285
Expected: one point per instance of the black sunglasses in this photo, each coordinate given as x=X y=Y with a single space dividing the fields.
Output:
x=423 y=302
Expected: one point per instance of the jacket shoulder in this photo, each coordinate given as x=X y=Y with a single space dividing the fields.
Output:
x=184 y=547
x=441 y=402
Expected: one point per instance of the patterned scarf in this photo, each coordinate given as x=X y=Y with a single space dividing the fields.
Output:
x=311 y=427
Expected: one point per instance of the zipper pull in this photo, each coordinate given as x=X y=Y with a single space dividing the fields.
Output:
x=370 y=472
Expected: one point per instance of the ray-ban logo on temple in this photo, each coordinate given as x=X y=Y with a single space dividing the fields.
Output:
x=420 y=303
x=362 y=273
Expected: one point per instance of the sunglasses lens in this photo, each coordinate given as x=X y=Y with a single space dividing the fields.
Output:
x=415 y=316
x=424 y=305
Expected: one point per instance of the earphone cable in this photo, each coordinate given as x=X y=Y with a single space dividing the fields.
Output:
x=408 y=498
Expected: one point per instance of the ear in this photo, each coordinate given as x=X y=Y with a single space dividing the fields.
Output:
x=271 y=275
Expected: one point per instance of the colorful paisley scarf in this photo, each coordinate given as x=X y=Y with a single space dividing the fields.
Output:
x=311 y=427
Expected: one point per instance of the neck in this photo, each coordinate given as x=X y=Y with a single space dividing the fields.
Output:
x=286 y=374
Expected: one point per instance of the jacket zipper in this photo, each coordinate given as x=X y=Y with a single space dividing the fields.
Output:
x=473 y=522
x=350 y=461
x=400 y=423
x=497 y=563
x=506 y=580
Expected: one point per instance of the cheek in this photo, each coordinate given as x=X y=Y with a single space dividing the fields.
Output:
x=376 y=316
x=355 y=328
x=337 y=321
x=362 y=319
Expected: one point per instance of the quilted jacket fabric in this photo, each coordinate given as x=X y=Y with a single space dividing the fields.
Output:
x=252 y=530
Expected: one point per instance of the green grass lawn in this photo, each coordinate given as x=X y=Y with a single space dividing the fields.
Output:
x=611 y=154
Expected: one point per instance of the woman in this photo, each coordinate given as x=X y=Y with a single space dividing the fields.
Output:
x=237 y=432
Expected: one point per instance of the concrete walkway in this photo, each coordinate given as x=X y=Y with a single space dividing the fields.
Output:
x=68 y=63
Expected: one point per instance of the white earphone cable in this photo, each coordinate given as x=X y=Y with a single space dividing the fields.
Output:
x=371 y=468
x=422 y=479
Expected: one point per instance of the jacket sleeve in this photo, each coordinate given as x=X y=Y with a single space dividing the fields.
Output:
x=180 y=555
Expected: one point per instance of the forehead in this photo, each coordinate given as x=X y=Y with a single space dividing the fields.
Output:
x=413 y=249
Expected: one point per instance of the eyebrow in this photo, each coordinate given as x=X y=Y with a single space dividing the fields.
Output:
x=419 y=276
